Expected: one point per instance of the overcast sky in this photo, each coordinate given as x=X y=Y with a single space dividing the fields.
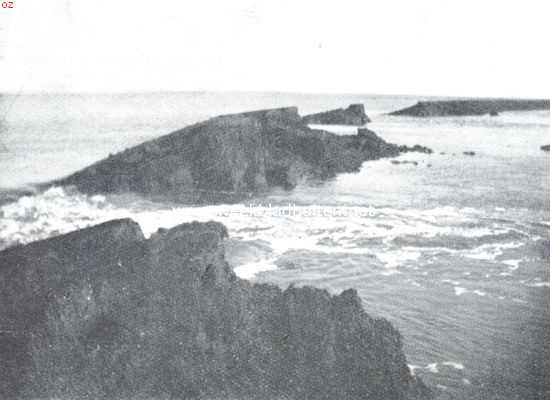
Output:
x=439 y=47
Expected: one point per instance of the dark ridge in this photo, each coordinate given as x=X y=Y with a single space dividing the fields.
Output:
x=491 y=107
x=353 y=115
x=229 y=158
x=104 y=313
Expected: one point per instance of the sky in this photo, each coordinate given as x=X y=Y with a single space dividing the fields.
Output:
x=422 y=47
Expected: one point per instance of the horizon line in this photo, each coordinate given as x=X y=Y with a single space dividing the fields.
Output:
x=277 y=92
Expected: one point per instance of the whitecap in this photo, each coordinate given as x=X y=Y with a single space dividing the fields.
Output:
x=460 y=290
x=432 y=368
x=453 y=364
x=412 y=368
x=539 y=284
x=514 y=264
x=490 y=252
x=450 y=282
x=521 y=301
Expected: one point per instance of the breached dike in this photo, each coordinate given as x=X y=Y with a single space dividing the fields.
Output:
x=104 y=313
x=493 y=107
x=353 y=115
x=229 y=158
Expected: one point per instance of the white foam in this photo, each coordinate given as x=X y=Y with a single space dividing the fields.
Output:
x=514 y=264
x=249 y=270
x=453 y=364
x=539 y=284
x=52 y=212
x=460 y=290
x=294 y=227
x=521 y=301
x=412 y=368
x=432 y=368
x=397 y=258
x=490 y=252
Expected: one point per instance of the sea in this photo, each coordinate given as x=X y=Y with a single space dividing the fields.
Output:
x=453 y=249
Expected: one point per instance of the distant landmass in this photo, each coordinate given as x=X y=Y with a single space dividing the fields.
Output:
x=493 y=107
x=353 y=115
x=103 y=313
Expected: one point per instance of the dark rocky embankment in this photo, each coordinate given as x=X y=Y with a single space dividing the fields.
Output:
x=229 y=158
x=492 y=107
x=104 y=313
x=353 y=115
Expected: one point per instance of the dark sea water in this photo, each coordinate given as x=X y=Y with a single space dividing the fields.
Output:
x=455 y=251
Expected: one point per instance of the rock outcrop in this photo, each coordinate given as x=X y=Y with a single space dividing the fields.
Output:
x=492 y=107
x=229 y=158
x=545 y=148
x=372 y=140
x=103 y=313
x=353 y=115
x=398 y=162
x=415 y=149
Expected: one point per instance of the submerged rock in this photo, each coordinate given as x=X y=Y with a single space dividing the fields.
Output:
x=104 y=313
x=469 y=153
x=471 y=107
x=415 y=149
x=353 y=115
x=398 y=162
x=229 y=158
x=545 y=148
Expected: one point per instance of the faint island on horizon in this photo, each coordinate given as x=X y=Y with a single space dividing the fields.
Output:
x=471 y=107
